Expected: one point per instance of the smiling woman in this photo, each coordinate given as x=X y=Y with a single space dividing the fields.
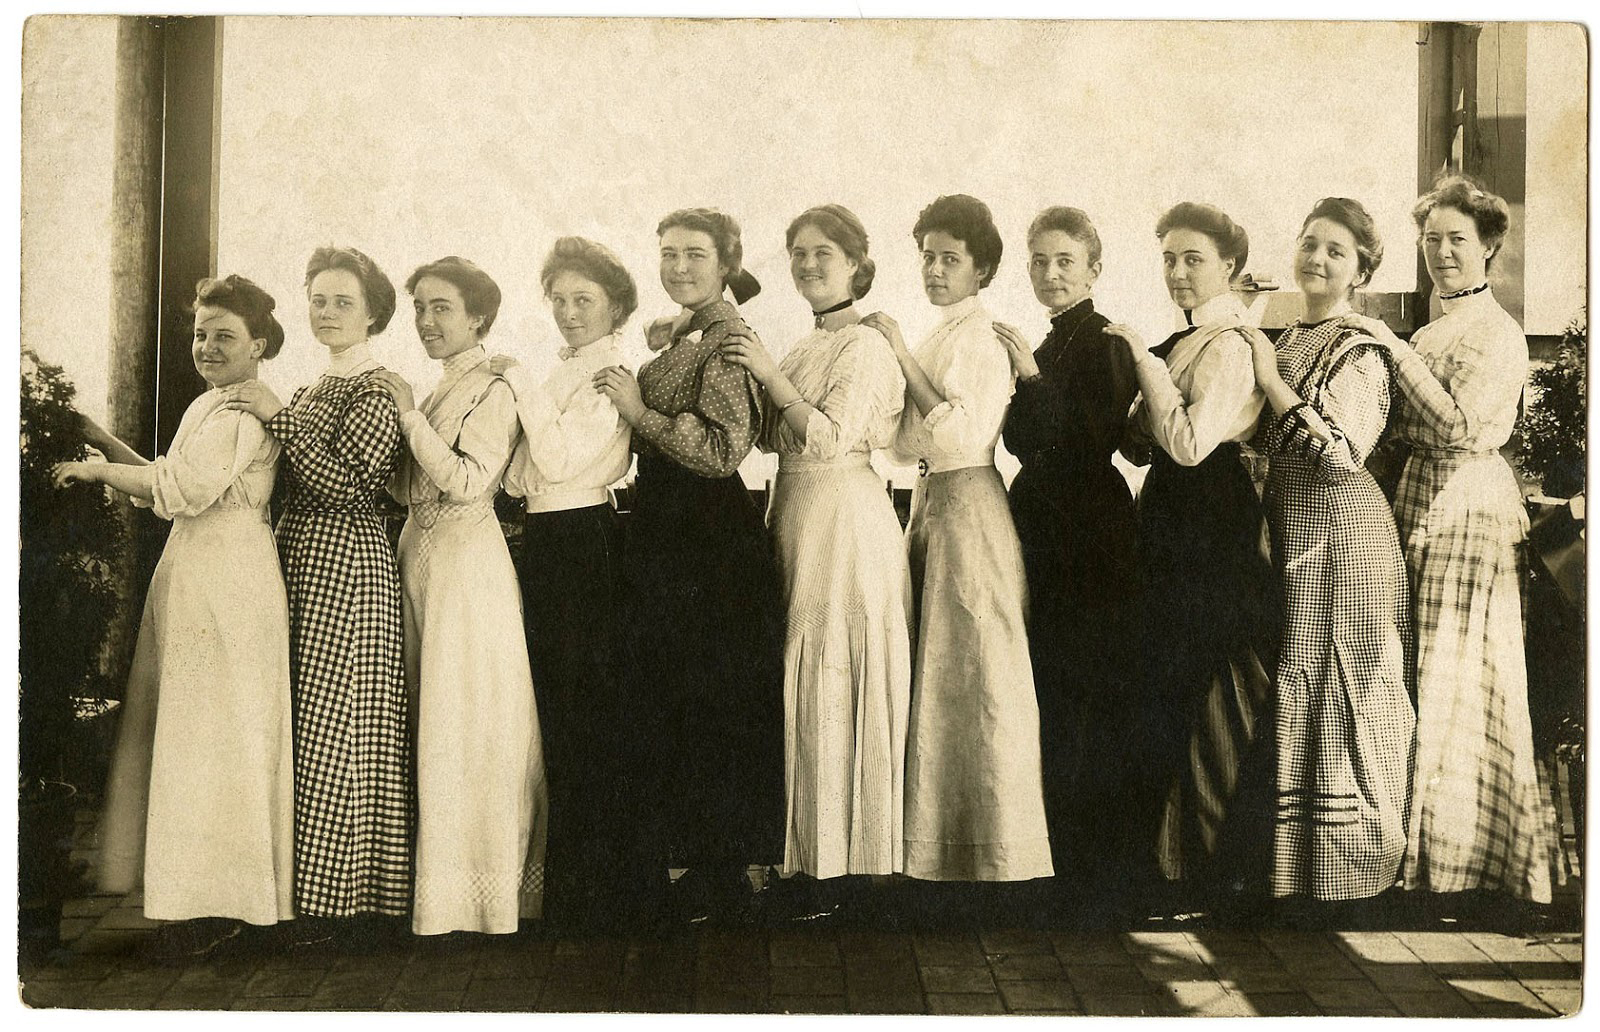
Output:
x=199 y=798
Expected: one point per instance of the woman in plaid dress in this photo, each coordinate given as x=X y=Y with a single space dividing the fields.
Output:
x=706 y=620
x=354 y=799
x=1479 y=819
x=1344 y=716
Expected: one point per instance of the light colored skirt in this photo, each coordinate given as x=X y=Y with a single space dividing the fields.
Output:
x=847 y=669
x=974 y=795
x=200 y=798
x=481 y=799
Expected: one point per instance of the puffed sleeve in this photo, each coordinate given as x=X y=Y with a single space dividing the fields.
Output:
x=840 y=421
x=1048 y=411
x=1224 y=386
x=192 y=477
x=355 y=462
x=562 y=442
x=977 y=390
x=474 y=465
x=1341 y=424
x=1482 y=377
x=714 y=435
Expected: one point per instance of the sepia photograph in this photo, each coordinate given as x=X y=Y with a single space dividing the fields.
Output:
x=810 y=515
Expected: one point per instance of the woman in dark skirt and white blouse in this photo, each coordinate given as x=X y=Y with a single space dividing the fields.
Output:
x=706 y=624
x=574 y=446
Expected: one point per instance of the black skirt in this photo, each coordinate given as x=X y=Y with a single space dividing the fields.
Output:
x=1078 y=529
x=597 y=870
x=1210 y=615
x=705 y=645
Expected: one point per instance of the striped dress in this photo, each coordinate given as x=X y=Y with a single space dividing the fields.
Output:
x=1479 y=819
x=1344 y=715
x=353 y=795
x=847 y=654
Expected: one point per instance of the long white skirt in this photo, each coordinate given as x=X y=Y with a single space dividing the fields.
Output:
x=847 y=669
x=200 y=799
x=481 y=799
x=974 y=793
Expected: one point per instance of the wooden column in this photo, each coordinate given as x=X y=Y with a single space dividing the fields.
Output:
x=193 y=74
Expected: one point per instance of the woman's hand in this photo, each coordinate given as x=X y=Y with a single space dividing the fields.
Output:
x=1263 y=355
x=65 y=473
x=398 y=389
x=890 y=329
x=1377 y=329
x=254 y=397
x=622 y=388
x=743 y=348
x=1017 y=350
x=500 y=364
x=1130 y=337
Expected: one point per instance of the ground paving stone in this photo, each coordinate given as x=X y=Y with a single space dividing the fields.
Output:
x=965 y=1003
x=940 y=979
x=1128 y=1004
x=810 y=1005
x=1053 y=994
x=1276 y=1004
x=886 y=1003
x=949 y=950
x=1025 y=966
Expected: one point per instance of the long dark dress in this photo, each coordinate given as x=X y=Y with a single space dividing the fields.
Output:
x=354 y=796
x=1210 y=615
x=706 y=626
x=1076 y=521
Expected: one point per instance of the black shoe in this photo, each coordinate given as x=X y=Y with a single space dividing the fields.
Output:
x=182 y=942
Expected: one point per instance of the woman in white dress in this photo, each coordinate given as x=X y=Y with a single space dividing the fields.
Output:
x=974 y=796
x=200 y=804
x=480 y=769
x=847 y=658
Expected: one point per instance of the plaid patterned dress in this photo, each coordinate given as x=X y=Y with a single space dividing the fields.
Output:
x=1479 y=819
x=354 y=799
x=1344 y=717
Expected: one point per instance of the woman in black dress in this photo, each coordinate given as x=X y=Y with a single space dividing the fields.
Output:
x=1075 y=518
x=706 y=623
x=1208 y=602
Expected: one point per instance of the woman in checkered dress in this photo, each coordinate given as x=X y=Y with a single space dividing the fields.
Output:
x=354 y=799
x=1344 y=716
x=706 y=621
x=1207 y=591
x=1479 y=819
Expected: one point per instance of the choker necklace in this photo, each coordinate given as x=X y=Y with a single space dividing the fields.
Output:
x=1480 y=288
x=841 y=306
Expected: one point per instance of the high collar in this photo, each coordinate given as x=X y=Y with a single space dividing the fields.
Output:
x=357 y=358
x=720 y=310
x=462 y=361
x=1223 y=306
x=1457 y=304
x=966 y=306
x=1068 y=319
x=1341 y=309
x=600 y=346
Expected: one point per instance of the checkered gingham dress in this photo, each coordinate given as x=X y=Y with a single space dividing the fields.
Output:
x=1344 y=720
x=354 y=798
x=1479 y=817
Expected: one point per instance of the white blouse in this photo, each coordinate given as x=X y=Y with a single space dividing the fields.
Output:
x=574 y=444
x=219 y=459
x=470 y=466
x=850 y=378
x=1463 y=376
x=969 y=365
x=1205 y=392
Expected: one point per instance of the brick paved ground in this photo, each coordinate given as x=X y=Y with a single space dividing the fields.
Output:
x=1171 y=969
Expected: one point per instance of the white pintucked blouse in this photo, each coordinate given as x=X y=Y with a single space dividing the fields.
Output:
x=969 y=365
x=855 y=388
x=574 y=444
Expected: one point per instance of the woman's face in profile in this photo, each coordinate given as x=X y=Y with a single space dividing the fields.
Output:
x=1195 y=272
x=691 y=272
x=581 y=307
x=338 y=309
